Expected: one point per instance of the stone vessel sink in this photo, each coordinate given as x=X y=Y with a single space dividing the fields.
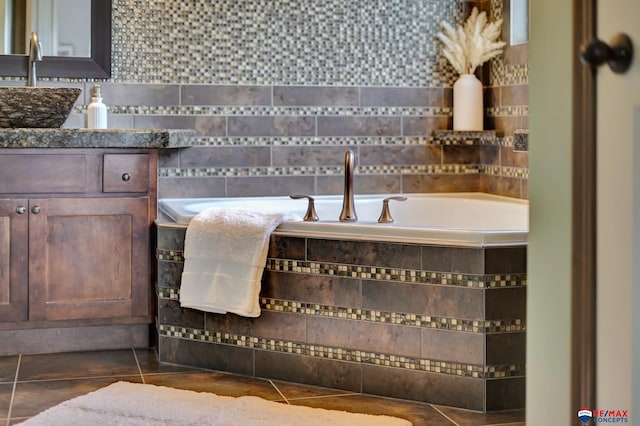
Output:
x=31 y=107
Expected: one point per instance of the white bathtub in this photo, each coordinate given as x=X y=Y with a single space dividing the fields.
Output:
x=458 y=219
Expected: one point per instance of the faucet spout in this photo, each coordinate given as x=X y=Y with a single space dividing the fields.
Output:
x=35 y=55
x=348 y=213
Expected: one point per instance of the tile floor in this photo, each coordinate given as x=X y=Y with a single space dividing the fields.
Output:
x=32 y=383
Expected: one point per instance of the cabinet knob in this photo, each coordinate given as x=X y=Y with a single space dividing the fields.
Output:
x=35 y=209
x=126 y=177
x=21 y=210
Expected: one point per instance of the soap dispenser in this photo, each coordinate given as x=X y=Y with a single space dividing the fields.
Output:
x=96 y=111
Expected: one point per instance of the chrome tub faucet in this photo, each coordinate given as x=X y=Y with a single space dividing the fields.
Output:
x=35 y=55
x=348 y=213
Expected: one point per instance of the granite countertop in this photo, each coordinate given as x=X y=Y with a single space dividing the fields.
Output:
x=102 y=138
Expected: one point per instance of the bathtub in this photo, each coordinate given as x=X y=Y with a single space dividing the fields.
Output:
x=456 y=219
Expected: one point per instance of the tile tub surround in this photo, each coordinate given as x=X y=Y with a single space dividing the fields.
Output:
x=443 y=325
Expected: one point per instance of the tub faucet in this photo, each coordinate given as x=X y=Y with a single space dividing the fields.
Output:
x=348 y=213
x=35 y=55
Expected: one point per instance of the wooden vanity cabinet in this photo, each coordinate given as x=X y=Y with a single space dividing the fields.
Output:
x=75 y=227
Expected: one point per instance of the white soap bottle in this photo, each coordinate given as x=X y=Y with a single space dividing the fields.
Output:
x=96 y=111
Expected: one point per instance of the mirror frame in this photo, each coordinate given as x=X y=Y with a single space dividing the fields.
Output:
x=512 y=54
x=96 y=66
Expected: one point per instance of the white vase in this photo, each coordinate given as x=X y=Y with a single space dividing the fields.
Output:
x=467 y=103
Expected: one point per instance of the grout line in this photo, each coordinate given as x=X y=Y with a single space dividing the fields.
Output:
x=338 y=395
x=13 y=390
x=138 y=365
x=444 y=415
x=60 y=379
x=278 y=390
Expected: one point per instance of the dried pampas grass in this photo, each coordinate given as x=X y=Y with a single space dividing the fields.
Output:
x=470 y=45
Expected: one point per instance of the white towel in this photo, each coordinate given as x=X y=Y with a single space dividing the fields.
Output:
x=224 y=258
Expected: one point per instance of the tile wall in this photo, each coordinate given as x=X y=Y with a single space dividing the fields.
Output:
x=278 y=91
x=438 y=324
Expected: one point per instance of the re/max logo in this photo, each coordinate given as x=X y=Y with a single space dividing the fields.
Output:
x=610 y=413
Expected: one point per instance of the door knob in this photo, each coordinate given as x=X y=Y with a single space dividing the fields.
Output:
x=618 y=53
x=35 y=209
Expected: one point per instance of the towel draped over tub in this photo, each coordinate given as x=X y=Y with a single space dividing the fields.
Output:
x=224 y=258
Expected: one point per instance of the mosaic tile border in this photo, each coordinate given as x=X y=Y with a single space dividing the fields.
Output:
x=341 y=354
x=351 y=141
x=232 y=111
x=457 y=169
x=396 y=274
x=376 y=316
x=412 y=276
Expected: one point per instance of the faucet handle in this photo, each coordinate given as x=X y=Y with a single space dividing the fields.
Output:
x=385 y=215
x=310 y=215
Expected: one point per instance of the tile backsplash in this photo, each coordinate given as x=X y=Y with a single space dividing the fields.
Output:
x=279 y=90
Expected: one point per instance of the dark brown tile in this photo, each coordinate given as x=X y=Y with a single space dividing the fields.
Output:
x=453 y=259
x=505 y=260
x=453 y=346
x=362 y=184
x=296 y=391
x=138 y=94
x=308 y=155
x=324 y=290
x=315 y=96
x=506 y=394
x=506 y=348
x=364 y=253
x=149 y=364
x=506 y=303
x=216 y=382
x=287 y=247
x=170 y=274
x=309 y=370
x=423 y=299
x=424 y=126
x=270 y=325
x=359 y=126
x=400 y=155
x=171 y=313
x=515 y=95
x=32 y=398
x=211 y=356
x=6 y=389
x=191 y=187
x=436 y=388
x=78 y=364
x=467 y=182
x=8 y=366
x=511 y=158
x=471 y=154
x=201 y=94
x=269 y=185
x=419 y=414
x=403 y=96
x=271 y=126
x=471 y=418
x=170 y=239
x=225 y=156
x=204 y=125
x=364 y=336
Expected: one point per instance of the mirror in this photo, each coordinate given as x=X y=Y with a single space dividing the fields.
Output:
x=75 y=60
x=515 y=31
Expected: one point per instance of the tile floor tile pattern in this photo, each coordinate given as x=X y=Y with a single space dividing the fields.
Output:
x=31 y=383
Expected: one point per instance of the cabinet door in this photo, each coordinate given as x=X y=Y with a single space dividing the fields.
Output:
x=14 y=288
x=89 y=258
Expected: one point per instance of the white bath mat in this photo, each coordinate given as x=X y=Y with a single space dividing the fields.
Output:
x=134 y=404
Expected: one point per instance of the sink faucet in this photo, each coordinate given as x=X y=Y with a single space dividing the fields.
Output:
x=348 y=213
x=35 y=55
